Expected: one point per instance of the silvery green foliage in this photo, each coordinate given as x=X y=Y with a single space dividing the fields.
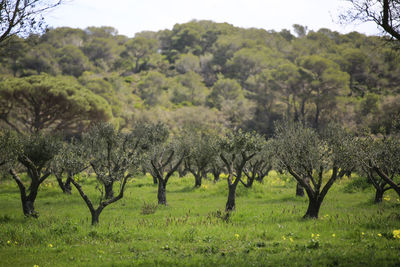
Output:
x=300 y=148
x=113 y=154
x=10 y=147
x=383 y=153
x=237 y=145
x=72 y=158
x=237 y=148
x=309 y=156
x=380 y=156
x=201 y=151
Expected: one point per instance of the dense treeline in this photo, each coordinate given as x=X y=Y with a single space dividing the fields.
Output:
x=203 y=74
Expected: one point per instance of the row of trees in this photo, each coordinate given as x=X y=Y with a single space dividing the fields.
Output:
x=314 y=159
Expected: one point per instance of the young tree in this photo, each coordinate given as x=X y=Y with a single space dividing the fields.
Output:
x=114 y=157
x=201 y=152
x=380 y=158
x=260 y=165
x=34 y=153
x=309 y=156
x=237 y=148
x=23 y=17
x=164 y=157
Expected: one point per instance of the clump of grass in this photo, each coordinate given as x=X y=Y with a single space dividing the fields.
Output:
x=148 y=208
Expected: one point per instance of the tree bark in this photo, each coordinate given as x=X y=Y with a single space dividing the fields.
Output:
x=109 y=194
x=95 y=216
x=299 y=190
x=216 y=175
x=65 y=187
x=27 y=201
x=162 y=196
x=378 y=195
x=197 y=180
x=313 y=208
x=230 y=204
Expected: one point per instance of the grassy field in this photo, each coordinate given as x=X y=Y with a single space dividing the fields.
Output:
x=266 y=229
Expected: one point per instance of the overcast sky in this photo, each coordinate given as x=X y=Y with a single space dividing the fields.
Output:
x=132 y=16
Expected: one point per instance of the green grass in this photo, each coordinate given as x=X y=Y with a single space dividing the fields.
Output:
x=267 y=228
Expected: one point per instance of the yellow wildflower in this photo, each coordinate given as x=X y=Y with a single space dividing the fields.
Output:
x=380 y=235
x=283 y=237
x=50 y=245
x=237 y=236
x=291 y=239
x=35 y=265
x=312 y=235
x=333 y=235
x=386 y=198
x=317 y=235
x=362 y=233
x=396 y=234
x=9 y=242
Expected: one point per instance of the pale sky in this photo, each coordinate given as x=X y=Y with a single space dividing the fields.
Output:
x=132 y=16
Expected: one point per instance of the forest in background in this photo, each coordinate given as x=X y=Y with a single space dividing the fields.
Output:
x=200 y=75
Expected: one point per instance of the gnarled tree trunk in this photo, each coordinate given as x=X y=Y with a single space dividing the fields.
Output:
x=230 y=204
x=162 y=195
x=314 y=205
x=299 y=190
x=109 y=194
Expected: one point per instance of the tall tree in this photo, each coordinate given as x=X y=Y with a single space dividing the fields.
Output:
x=44 y=103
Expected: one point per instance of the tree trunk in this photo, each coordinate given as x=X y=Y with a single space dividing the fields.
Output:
x=28 y=208
x=68 y=186
x=299 y=190
x=379 y=195
x=155 y=181
x=250 y=182
x=216 y=175
x=65 y=187
x=95 y=216
x=230 y=204
x=109 y=190
x=182 y=172
x=197 y=180
x=313 y=209
x=162 y=196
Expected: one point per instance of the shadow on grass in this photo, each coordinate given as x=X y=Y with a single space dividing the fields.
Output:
x=185 y=189
x=286 y=199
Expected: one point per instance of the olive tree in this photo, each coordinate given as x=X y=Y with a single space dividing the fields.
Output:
x=114 y=157
x=201 y=153
x=164 y=157
x=237 y=148
x=260 y=165
x=380 y=160
x=310 y=157
x=33 y=153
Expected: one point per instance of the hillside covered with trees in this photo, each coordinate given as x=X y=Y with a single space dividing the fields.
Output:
x=202 y=75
